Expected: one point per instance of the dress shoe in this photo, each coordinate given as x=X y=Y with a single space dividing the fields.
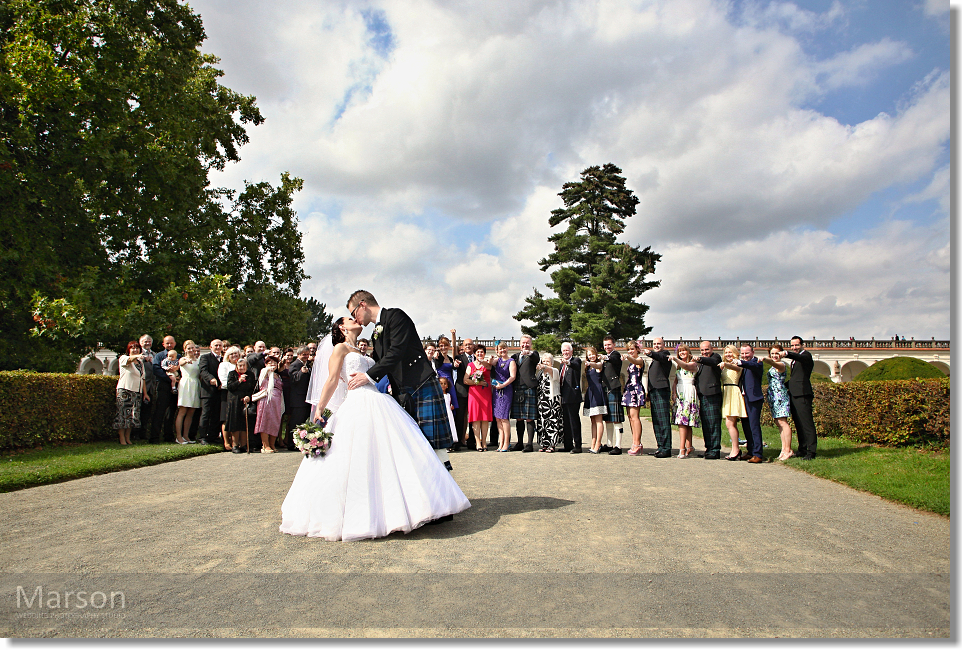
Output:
x=518 y=446
x=662 y=454
x=755 y=459
x=615 y=451
x=576 y=450
x=235 y=450
x=527 y=448
x=808 y=457
x=567 y=449
x=744 y=456
x=447 y=466
x=733 y=457
x=456 y=446
x=712 y=456
x=202 y=441
x=604 y=448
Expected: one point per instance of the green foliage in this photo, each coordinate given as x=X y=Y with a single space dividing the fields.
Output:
x=43 y=409
x=899 y=368
x=547 y=343
x=78 y=460
x=821 y=379
x=598 y=279
x=111 y=119
x=319 y=322
x=890 y=413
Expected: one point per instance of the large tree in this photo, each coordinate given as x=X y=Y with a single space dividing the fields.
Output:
x=110 y=120
x=598 y=280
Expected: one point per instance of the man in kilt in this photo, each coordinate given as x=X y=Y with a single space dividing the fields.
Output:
x=611 y=382
x=524 y=407
x=399 y=356
x=659 y=393
x=708 y=386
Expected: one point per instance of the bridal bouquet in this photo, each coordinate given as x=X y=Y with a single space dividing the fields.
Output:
x=313 y=440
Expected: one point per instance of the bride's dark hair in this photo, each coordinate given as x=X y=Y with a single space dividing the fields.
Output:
x=337 y=336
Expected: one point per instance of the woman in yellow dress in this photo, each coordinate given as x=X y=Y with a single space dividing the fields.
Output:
x=733 y=402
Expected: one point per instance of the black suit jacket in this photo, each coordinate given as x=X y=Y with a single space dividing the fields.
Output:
x=611 y=371
x=462 y=370
x=708 y=375
x=398 y=352
x=800 y=381
x=527 y=370
x=571 y=382
x=208 y=370
x=659 y=369
x=299 y=382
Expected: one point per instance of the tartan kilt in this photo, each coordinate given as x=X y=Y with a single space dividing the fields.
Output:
x=616 y=412
x=432 y=413
x=528 y=409
x=660 y=399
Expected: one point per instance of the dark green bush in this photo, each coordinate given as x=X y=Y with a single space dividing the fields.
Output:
x=899 y=368
x=891 y=413
x=43 y=409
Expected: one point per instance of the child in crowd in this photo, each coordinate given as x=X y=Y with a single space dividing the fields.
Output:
x=446 y=388
x=171 y=366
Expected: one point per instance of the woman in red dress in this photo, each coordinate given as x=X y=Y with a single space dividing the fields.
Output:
x=480 y=411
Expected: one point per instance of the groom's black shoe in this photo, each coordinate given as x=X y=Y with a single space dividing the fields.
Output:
x=447 y=466
x=518 y=446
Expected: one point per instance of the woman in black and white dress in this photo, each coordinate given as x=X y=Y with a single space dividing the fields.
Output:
x=550 y=428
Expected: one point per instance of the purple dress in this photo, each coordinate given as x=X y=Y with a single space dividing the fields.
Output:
x=634 y=394
x=501 y=372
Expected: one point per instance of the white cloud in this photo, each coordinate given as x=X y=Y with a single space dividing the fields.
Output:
x=481 y=111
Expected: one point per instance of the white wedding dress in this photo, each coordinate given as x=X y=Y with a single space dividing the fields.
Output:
x=380 y=475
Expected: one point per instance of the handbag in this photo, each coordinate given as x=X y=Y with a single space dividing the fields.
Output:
x=251 y=409
x=259 y=395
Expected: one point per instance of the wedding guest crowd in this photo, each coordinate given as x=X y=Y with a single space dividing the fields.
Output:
x=252 y=398
x=547 y=398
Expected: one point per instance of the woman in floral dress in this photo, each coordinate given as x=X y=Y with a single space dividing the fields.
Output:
x=634 y=396
x=550 y=426
x=686 y=401
x=779 y=400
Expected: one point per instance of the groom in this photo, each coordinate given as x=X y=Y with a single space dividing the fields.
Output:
x=399 y=355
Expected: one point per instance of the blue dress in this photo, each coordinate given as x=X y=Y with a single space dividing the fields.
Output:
x=778 y=399
x=500 y=373
x=446 y=370
x=595 y=401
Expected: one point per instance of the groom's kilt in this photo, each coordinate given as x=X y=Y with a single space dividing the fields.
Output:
x=432 y=413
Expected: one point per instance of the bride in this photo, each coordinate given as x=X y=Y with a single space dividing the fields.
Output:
x=381 y=474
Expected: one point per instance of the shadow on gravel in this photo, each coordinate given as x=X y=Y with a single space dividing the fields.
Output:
x=484 y=514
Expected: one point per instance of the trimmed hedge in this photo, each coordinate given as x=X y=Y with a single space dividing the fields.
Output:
x=899 y=368
x=47 y=409
x=897 y=413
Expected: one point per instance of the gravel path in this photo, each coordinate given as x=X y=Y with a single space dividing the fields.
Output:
x=553 y=545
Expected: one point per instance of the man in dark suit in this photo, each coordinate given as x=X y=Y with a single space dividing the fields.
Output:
x=300 y=378
x=800 y=390
x=570 y=398
x=659 y=392
x=399 y=355
x=461 y=362
x=255 y=360
x=708 y=387
x=750 y=383
x=524 y=405
x=208 y=429
x=162 y=421
x=611 y=381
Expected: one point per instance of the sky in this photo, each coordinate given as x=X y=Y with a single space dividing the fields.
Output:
x=791 y=159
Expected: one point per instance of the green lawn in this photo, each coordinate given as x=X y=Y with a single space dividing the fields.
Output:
x=906 y=475
x=65 y=463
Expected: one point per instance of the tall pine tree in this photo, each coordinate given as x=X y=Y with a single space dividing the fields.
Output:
x=597 y=279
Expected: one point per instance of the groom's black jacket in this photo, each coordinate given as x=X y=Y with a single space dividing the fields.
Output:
x=398 y=352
